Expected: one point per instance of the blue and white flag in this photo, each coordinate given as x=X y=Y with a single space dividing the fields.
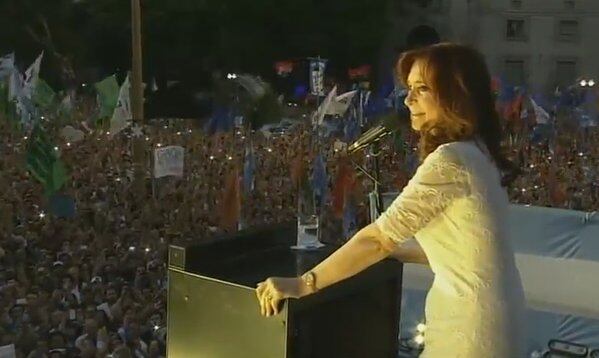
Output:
x=317 y=69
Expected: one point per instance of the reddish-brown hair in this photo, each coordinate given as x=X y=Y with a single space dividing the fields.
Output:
x=458 y=77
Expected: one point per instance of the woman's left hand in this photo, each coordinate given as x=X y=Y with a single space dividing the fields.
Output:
x=275 y=289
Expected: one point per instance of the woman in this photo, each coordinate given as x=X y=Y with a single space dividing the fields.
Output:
x=456 y=208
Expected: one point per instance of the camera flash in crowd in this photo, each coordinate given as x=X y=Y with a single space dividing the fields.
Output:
x=131 y=248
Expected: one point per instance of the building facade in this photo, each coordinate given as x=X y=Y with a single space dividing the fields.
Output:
x=538 y=43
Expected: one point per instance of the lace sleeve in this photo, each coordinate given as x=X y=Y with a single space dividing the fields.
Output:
x=439 y=180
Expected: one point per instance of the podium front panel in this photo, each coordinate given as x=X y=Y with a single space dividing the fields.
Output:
x=218 y=319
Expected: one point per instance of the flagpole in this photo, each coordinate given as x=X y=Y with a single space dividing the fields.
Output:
x=137 y=108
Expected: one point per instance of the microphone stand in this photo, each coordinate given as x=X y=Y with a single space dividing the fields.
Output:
x=374 y=150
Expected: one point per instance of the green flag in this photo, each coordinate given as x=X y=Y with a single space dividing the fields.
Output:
x=44 y=164
x=108 y=95
x=43 y=95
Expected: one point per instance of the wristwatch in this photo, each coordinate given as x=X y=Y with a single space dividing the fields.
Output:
x=309 y=279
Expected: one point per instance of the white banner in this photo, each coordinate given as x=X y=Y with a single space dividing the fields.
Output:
x=169 y=161
x=8 y=351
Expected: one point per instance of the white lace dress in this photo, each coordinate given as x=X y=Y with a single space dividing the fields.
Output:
x=456 y=209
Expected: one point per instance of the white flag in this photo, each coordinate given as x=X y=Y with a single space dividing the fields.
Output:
x=7 y=65
x=254 y=85
x=15 y=85
x=169 y=161
x=121 y=117
x=31 y=77
x=324 y=107
x=340 y=104
x=541 y=116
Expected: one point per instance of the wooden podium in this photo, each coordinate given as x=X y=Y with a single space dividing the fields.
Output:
x=213 y=311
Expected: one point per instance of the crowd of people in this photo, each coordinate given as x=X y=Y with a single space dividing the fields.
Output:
x=94 y=284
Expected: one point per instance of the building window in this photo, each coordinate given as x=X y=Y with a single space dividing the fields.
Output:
x=565 y=72
x=424 y=3
x=568 y=30
x=434 y=5
x=570 y=4
x=516 y=30
x=516 y=4
x=515 y=71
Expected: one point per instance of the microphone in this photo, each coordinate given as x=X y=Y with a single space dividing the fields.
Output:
x=387 y=125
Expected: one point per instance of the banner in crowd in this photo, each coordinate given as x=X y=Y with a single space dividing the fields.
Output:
x=8 y=351
x=317 y=68
x=169 y=161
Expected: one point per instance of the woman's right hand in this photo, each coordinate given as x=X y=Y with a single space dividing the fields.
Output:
x=276 y=289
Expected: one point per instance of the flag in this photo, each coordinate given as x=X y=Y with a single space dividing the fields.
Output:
x=62 y=206
x=107 y=95
x=340 y=104
x=43 y=162
x=324 y=107
x=15 y=85
x=121 y=117
x=351 y=130
x=319 y=179
x=65 y=107
x=7 y=65
x=284 y=68
x=317 y=69
x=249 y=167
x=31 y=77
x=359 y=72
x=255 y=87
x=222 y=120
x=541 y=115
x=43 y=95
x=230 y=205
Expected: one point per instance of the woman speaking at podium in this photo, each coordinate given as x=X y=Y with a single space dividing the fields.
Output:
x=455 y=206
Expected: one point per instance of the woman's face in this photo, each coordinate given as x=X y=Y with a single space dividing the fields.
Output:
x=420 y=100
